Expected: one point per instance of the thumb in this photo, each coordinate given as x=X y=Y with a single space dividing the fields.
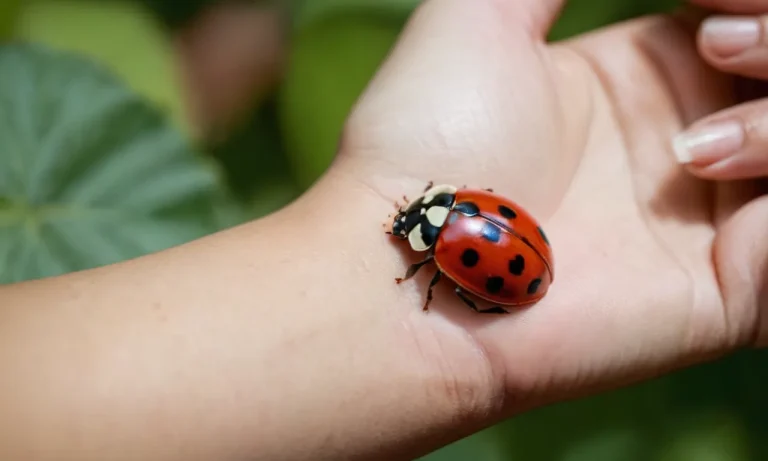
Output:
x=741 y=261
x=540 y=14
x=462 y=61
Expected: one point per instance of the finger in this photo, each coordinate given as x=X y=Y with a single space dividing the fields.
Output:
x=732 y=144
x=736 y=44
x=733 y=6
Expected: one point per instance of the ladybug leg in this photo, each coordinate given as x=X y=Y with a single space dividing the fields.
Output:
x=488 y=190
x=399 y=207
x=460 y=293
x=435 y=281
x=494 y=310
x=430 y=184
x=415 y=268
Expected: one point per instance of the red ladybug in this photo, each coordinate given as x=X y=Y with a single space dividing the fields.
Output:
x=488 y=245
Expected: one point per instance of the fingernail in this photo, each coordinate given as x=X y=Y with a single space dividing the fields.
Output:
x=709 y=143
x=728 y=37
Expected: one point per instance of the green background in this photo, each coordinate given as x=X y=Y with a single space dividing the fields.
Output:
x=59 y=187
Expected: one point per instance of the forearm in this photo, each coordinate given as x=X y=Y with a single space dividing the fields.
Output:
x=281 y=339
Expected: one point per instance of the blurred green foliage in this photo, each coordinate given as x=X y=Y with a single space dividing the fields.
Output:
x=322 y=86
x=121 y=35
x=60 y=152
x=8 y=13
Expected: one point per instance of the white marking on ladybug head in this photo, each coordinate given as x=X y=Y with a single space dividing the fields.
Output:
x=414 y=238
x=423 y=211
x=437 y=215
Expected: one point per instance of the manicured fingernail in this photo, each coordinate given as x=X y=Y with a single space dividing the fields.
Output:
x=728 y=37
x=709 y=143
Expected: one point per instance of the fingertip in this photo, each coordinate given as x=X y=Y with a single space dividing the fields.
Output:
x=738 y=167
x=710 y=142
x=735 y=44
x=680 y=149
x=724 y=37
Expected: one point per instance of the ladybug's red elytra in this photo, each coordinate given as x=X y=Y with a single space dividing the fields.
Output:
x=488 y=245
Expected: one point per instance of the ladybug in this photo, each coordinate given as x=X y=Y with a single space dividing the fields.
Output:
x=487 y=245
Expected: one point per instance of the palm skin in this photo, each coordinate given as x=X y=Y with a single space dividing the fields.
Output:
x=652 y=266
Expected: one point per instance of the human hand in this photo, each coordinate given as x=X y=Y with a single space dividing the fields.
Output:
x=288 y=338
x=655 y=269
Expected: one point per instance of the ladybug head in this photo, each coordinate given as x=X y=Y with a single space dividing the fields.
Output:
x=400 y=226
x=421 y=222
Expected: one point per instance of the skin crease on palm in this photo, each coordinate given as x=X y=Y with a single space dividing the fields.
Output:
x=579 y=133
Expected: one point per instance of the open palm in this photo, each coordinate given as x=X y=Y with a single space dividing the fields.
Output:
x=652 y=265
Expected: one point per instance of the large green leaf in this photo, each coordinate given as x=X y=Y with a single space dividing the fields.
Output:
x=90 y=173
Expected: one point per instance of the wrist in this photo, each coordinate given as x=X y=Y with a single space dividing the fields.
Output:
x=282 y=338
x=422 y=373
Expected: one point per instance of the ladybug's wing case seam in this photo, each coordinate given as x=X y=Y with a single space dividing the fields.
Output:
x=522 y=238
x=509 y=216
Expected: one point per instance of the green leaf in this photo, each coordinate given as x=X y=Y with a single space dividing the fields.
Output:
x=310 y=11
x=331 y=63
x=90 y=173
x=123 y=35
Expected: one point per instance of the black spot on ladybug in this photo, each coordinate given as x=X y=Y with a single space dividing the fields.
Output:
x=533 y=287
x=470 y=257
x=491 y=232
x=467 y=208
x=494 y=284
x=517 y=265
x=543 y=235
x=507 y=212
